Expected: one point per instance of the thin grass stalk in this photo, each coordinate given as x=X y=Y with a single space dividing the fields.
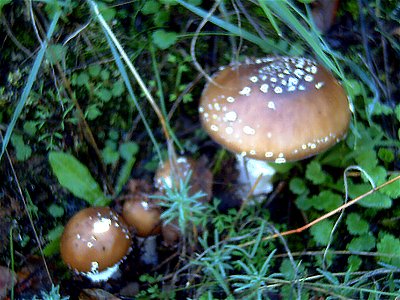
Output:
x=283 y=10
x=162 y=98
x=133 y=70
x=132 y=94
x=38 y=241
x=327 y=215
x=268 y=45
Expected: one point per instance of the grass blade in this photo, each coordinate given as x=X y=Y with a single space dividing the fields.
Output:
x=29 y=84
x=268 y=45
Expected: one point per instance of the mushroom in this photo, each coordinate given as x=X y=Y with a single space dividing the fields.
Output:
x=94 y=242
x=171 y=234
x=200 y=180
x=144 y=217
x=274 y=109
x=323 y=13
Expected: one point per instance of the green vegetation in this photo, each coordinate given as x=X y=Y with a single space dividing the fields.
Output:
x=94 y=93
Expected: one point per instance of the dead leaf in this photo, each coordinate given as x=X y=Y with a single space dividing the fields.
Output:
x=96 y=294
x=7 y=281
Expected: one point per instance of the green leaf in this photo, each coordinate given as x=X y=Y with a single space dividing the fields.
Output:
x=53 y=236
x=376 y=200
x=92 y=112
x=161 y=17
x=94 y=70
x=128 y=150
x=105 y=75
x=163 y=39
x=356 y=225
x=82 y=79
x=389 y=245
x=75 y=177
x=322 y=231
x=56 y=53
x=314 y=173
x=3 y=2
x=150 y=7
x=118 y=88
x=288 y=270
x=378 y=175
x=107 y=12
x=55 y=233
x=22 y=151
x=392 y=190
x=298 y=186
x=381 y=109
x=56 y=211
x=367 y=159
x=104 y=94
x=327 y=201
x=124 y=174
x=303 y=202
x=30 y=128
x=109 y=155
x=362 y=243
x=386 y=155
x=397 y=112
x=354 y=262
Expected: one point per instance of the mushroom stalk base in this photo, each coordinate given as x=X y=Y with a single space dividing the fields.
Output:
x=249 y=171
x=148 y=250
x=96 y=276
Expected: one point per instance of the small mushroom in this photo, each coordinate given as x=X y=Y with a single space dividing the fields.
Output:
x=94 y=242
x=144 y=217
x=275 y=109
x=200 y=180
x=171 y=234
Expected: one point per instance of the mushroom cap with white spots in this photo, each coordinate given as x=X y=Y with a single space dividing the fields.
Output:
x=94 y=239
x=275 y=109
x=143 y=215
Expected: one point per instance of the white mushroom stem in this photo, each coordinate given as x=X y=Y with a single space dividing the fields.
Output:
x=148 y=250
x=249 y=171
x=96 y=276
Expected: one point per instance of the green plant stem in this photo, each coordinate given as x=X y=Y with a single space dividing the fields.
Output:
x=162 y=99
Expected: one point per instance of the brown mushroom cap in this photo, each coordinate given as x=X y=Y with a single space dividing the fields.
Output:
x=276 y=109
x=143 y=215
x=200 y=180
x=94 y=239
x=171 y=234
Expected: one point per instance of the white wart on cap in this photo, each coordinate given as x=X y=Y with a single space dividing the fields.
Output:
x=275 y=109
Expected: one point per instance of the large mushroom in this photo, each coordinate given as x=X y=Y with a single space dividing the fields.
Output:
x=94 y=242
x=274 y=109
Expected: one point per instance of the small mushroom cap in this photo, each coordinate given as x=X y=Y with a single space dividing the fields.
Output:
x=142 y=215
x=171 y=234
x=94 y=239
x=201 y=178
x=275 y=109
